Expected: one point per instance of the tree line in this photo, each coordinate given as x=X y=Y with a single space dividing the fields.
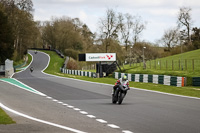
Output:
x=17 y=29
x=182 y=38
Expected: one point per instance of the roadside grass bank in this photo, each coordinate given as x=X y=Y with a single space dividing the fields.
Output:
x=56 y=62
x=185 y=65
x=27 y=63
x=181 y=64
x=29 y=60
x=4 y=118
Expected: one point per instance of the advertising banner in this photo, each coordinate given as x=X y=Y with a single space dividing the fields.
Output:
x=100 y=56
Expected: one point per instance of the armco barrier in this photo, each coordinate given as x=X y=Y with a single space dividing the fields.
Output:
x=156 y=79
x=77 y=72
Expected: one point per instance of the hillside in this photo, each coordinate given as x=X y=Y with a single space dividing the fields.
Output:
x=186 y=64
x=195 y=54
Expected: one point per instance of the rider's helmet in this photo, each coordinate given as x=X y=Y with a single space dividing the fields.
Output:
x=124 y=78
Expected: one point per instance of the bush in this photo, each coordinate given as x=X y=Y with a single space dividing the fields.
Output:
x=189 y=81
x=71 y=53
x=72 y=64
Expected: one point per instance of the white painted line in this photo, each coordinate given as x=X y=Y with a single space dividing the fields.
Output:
x=101 y=121
x=166 y=93
x=60 y=102
x=113 y=126
x=126 y=131
x=91 y=116
x=49 y=97
x=69 y=106
x=41 y=121
x=55 y=100
x=77 y=109
x=65 y=104
x=40 y=93
x=83 y=112
x=35 y=91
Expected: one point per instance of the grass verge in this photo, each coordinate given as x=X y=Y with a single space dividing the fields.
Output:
x=4 y=118
x=184 y=65
x=27 y=63
x=56 y=62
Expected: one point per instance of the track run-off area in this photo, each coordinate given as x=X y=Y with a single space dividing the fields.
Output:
x=40 y=102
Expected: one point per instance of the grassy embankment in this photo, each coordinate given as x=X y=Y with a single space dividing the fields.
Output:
x=4 y=118
x=19 y=63
x=165 y=65
x=56 y=62
x=171 y=65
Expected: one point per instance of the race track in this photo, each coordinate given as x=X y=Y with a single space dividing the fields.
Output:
x=141 y=111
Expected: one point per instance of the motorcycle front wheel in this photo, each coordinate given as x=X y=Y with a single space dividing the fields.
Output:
x=121 y=97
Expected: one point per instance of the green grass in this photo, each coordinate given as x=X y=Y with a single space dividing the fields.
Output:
x=27 y=63
x=171 y=65
x=54 y=68
x=4 y=118
x=29 y=59
x=55 y=63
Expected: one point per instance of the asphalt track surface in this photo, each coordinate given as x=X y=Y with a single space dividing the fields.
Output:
x=141 y=111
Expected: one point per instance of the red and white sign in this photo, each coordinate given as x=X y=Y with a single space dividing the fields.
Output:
x=100 y=56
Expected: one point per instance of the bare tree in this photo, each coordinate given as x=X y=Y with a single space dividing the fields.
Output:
x=184 y=19
x=109 y=27
x=138 y=27
x=126 y=24
x=26 y=5
x=170 y=38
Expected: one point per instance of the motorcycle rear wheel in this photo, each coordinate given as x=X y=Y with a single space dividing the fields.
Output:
x=114 y=101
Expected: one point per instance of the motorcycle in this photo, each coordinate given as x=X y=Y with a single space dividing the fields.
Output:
x=120 y=92
x=31 y=69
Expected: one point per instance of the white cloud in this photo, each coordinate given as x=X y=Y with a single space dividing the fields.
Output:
x=83 y=16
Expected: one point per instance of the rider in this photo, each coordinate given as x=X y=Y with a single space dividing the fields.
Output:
x=120 y=81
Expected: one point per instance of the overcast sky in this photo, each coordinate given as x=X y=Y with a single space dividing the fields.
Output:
x=159 y=14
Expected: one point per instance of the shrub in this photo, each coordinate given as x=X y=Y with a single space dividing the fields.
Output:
x=72 y=64
x=71 y=53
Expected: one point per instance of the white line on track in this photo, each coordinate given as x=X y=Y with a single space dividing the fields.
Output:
x=77 y=109
x=126 y=131
x=101 y=121
x=55 y=100
x=91 y=116
x=83 y=112
x=113 y=126
x=41 y=121
x=69 y=106
x=60 y=102
x=34 y=91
